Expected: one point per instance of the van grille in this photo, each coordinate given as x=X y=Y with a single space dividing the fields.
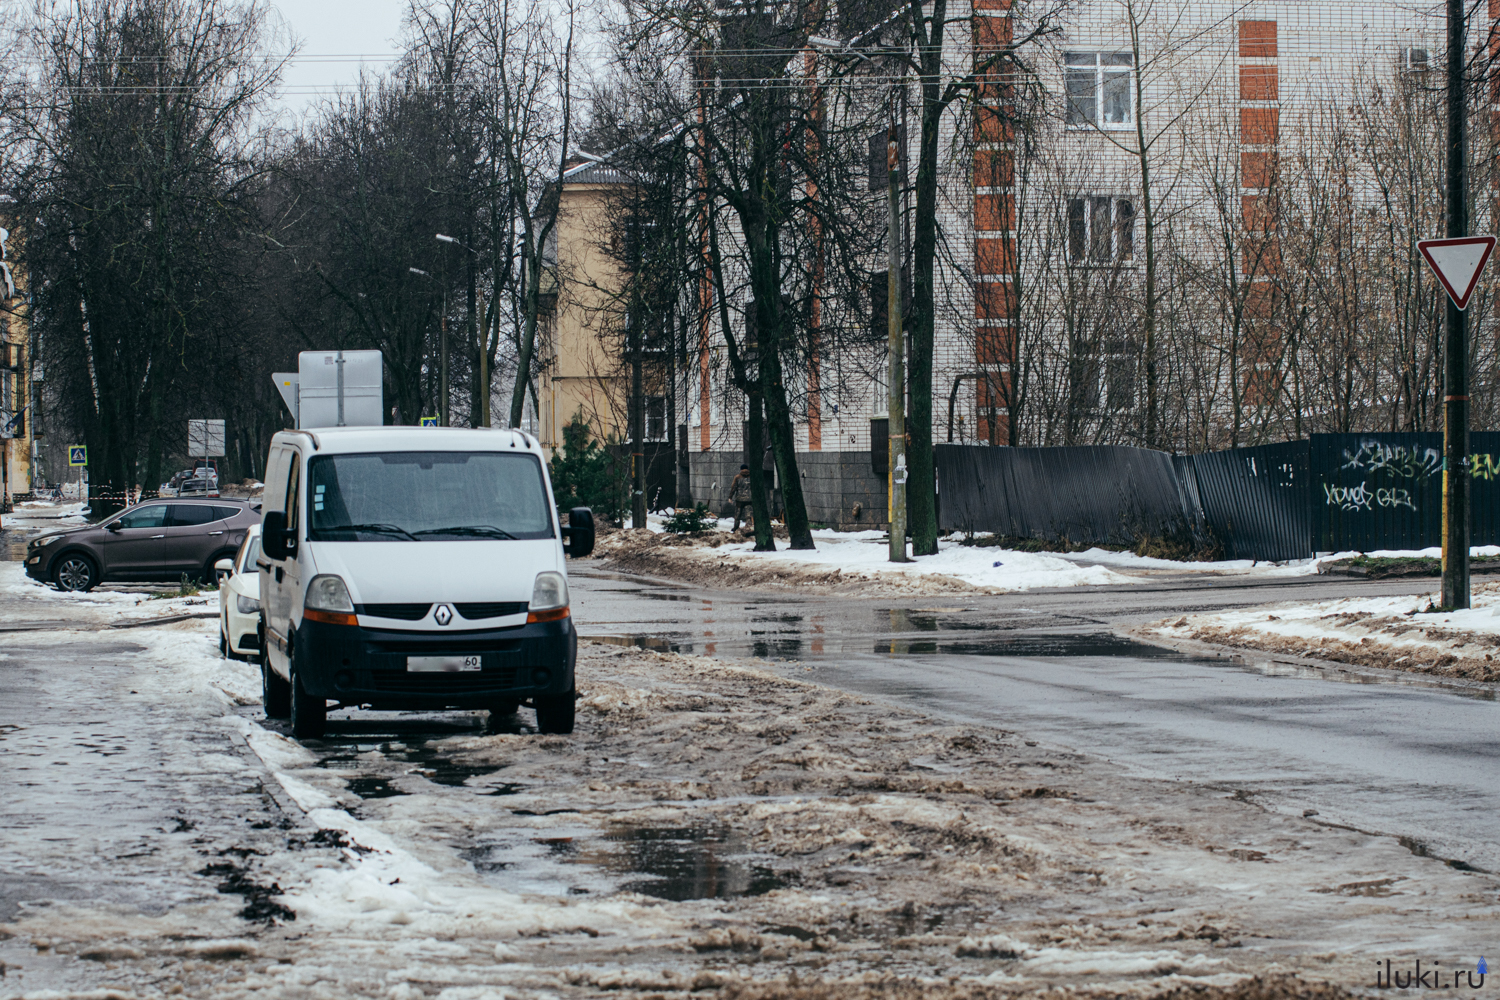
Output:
x=400 y=681
x=491 y=610
x=400 y=612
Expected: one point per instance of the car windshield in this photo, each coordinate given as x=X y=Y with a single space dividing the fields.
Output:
x=252 y=553
x=427 y=496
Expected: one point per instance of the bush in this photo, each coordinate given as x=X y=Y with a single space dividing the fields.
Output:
x=584 y=474
x=684 y=521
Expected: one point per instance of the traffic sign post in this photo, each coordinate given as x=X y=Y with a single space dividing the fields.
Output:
x=78 y=458
x=1458 y=262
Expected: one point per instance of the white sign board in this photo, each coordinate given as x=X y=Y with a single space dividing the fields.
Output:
x=205 y=439
x=1458 y=263
x=340 y=389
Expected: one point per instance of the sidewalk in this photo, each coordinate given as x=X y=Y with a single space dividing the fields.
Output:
x=1391 y=633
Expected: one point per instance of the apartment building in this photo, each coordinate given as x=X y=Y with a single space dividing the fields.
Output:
x=19 y=380
x=1177 y=225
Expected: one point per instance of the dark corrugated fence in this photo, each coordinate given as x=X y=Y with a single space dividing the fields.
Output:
x=1332 y=493
x=1101 y=493
x=1254 y=500
x=1385 y=491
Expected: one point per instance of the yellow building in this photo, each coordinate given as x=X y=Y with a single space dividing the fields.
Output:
x=17 y=385
x=582 y=373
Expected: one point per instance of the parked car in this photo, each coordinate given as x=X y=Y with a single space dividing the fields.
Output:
x=406 y=569
x=155 y=540
x=239 y=600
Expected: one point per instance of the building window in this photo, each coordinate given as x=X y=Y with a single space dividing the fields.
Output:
x=1101 y=230
x=656 y=418
x=1414 y=60
x=1099 y=89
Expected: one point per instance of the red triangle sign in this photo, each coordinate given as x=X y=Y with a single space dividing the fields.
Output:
x=1458 y=263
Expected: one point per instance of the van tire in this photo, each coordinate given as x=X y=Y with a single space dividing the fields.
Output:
x=309 y=714
x=554 y=713
x=276 y=694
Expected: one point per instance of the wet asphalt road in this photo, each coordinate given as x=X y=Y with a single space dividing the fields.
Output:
x=1389 y=756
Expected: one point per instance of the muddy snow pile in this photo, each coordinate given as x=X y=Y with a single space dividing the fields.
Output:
x=1392 y=633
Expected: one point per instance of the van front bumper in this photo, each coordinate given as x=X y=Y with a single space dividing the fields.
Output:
x=368 y=666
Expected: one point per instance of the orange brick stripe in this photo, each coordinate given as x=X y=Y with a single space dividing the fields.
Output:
x=994 y=220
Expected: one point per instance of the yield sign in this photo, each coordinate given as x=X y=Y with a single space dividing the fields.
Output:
x=1458 y=263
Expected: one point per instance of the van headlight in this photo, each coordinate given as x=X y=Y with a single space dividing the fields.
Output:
x=328 y=593
x=549 y=593
x=249 y=605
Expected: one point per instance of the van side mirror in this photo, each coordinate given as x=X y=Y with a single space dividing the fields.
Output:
x=579 y=534
x=275 y=541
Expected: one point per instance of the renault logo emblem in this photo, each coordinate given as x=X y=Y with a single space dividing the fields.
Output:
x=444 y=614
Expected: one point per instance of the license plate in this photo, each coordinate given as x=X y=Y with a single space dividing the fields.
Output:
x=442 y=664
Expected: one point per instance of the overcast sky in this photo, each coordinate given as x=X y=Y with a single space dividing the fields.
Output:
x=337 y=36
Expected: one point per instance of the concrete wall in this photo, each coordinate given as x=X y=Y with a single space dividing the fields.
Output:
x=833 y=482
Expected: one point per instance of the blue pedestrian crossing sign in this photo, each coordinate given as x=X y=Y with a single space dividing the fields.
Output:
x=78 y=454
x=429 y=421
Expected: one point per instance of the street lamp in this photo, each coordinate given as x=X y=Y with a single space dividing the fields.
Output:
x=484 y=348
x=442 y=348
x=896 y=390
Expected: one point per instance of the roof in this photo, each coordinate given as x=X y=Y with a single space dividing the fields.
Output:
x=596 y=172
x=401 y=437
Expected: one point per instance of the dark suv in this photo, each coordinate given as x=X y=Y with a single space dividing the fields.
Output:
x=155 y=540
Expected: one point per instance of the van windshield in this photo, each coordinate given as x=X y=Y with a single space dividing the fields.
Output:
x=427 y=496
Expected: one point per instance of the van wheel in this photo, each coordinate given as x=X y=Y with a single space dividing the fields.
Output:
x=309 y=714
x=554 y=714
x=276 y=694
x=75 y=572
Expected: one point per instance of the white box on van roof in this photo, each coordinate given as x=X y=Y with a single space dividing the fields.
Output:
x=340 y=389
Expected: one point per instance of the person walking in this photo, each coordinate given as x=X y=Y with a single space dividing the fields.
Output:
x=739 y=492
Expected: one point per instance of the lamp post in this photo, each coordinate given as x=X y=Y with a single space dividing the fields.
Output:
x=484 y=345
x=442 y=349
x=895 y=341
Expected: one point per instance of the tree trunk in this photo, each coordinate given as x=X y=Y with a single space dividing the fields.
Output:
x=921 y=485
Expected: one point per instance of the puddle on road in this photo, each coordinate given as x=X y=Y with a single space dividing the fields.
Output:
x=430 y=762
x=680 y=863
x=372 y=788
x=1039 y=644
x=676 y=863
x=655 y=642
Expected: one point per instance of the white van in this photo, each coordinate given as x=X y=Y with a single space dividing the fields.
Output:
x=415 y=568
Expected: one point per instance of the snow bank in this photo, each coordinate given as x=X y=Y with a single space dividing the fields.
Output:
x=996 y=569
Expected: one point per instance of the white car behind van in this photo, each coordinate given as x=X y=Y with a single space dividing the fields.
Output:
x=406 y=568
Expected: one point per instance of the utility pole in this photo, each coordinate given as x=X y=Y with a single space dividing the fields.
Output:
x=896 y=409
x=484 y=367
x=1456 y=351
x=637 y=422
x=443 y=361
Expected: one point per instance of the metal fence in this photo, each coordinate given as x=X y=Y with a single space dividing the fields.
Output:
x=1332 y=493
x=1094 y=494
x=1254 y=500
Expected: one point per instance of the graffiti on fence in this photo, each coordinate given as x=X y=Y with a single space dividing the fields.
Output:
x=1408 y=461
x=1484 y=467
x=1361 y=497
